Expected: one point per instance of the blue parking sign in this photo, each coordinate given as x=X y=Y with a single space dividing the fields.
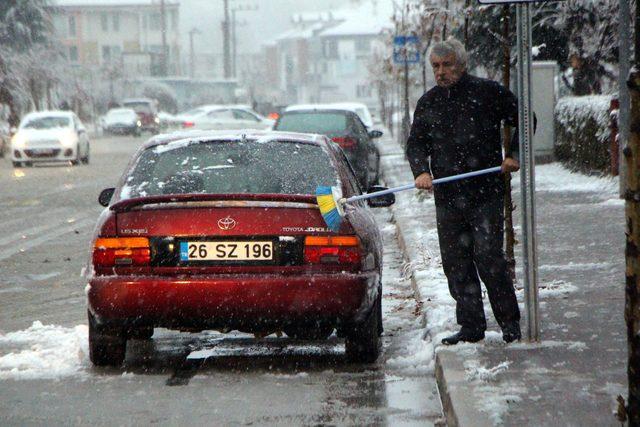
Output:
x=406 y=49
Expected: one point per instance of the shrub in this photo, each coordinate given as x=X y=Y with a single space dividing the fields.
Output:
x=582 y=133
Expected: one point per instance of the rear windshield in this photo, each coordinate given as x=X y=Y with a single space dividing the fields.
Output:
x=138 y=107
x=312 y=122
x=230 y=167
x=47 y=123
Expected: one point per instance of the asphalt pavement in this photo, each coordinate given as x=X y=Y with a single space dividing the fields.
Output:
x=47 y=217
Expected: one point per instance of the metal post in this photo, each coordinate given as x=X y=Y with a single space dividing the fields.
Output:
x=234 y=41
x=624 y=56
x=225 y=41
x=406 y=117
x=163 y=27
x=527 y=165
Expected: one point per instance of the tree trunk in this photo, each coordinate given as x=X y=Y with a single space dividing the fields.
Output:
x=510 y=237
x=632 y=253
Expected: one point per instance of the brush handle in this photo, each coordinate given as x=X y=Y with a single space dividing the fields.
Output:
x=413 y=184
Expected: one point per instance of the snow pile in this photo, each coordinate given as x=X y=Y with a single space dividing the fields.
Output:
x=555 y=178
x=44 y=352
x=582 y=132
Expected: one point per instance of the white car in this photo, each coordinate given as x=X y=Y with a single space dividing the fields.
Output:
x=360 y=109
x=50 y=136
x=222 y=117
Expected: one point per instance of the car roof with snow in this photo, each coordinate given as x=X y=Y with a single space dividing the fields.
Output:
x=52 y=113
x=239 y=135
x=121 y=110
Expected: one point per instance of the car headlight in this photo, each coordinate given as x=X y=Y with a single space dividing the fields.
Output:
x=69 y=140
x=18 y=141
x=157 y=120
x=139 y=123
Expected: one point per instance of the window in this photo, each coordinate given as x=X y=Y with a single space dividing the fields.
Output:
x=363 y=91
x=116 y=22
x=312 y=122
x=72 y=26
x=244 y=115
x=104 y=22
x=154 y=21
x=220 y=115
x=331 y=49
x=362 y=45
x=73 y=53
x=230 y=167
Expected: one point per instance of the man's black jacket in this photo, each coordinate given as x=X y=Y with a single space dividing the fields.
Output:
x=457 y=130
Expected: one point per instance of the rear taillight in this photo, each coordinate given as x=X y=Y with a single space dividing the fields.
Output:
x=332 y=250
x=188 y=124
x=273 y=116
x=114 y=251
x=345 y=141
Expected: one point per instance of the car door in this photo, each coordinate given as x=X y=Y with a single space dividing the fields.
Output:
x=246 y=120
x=217 y=120
x=370 y=149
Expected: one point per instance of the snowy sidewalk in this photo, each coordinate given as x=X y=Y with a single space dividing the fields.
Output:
x=574 y=374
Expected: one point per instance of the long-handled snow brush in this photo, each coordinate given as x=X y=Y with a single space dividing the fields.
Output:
x=331 y=205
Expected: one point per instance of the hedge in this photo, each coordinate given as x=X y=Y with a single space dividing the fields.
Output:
x=582 y=133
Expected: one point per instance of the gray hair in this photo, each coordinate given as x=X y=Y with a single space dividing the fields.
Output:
x=448 y=47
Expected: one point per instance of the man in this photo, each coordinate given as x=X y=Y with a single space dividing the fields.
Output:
x=456 y=129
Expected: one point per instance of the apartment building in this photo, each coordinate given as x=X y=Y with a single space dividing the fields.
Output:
x=125 y=35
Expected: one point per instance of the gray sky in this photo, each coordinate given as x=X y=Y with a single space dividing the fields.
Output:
x=271 y=19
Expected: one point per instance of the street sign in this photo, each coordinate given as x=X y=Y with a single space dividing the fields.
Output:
x=406 y=50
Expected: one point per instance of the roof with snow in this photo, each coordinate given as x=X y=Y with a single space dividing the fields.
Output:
x=111 y=3
x=367 y=19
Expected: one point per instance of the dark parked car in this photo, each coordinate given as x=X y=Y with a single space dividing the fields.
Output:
x=147 y=111
x=208 y=230
x=344 y=128
x=123 y=121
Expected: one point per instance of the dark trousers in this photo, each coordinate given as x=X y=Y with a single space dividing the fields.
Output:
x=471 y=238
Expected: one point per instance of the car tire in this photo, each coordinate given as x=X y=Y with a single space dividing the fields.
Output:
x=107 y=346
x=362 y=342
x=85 y=159
x=17 y=164
x=314 y=331
x=143 y=333
x=76 y=161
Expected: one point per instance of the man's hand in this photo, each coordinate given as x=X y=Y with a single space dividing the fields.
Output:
x=424 y=181
x=510 y=165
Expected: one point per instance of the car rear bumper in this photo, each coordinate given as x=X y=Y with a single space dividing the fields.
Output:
x=238 y=302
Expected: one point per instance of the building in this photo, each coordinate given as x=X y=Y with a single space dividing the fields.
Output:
x=123 y=35
x=326 y=56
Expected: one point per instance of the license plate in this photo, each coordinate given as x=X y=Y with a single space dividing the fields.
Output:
x=226 y=251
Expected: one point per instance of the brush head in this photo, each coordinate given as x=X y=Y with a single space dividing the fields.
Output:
x=330 y=207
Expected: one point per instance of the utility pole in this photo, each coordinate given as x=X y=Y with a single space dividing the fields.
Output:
x=624 y=59
x=225 y=41
x=192 y=56
x=632 y=253
x=510 y=238
x=163 y=30
x=234 y=43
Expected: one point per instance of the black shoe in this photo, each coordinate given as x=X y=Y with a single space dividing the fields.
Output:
x=465 y=336
x=511 y=333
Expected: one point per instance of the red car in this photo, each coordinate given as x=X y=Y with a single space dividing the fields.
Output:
x=211 y=230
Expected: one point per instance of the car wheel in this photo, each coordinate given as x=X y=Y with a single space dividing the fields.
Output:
x=362 y=343
x=107 y=346
x=17 y=164
x=85 y=158
x=76 y=161
x=314 y=331
x=144 y=333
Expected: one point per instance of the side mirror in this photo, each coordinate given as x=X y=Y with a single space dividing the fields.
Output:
x=373 y=134
x=105 y=196
x=380 y=201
